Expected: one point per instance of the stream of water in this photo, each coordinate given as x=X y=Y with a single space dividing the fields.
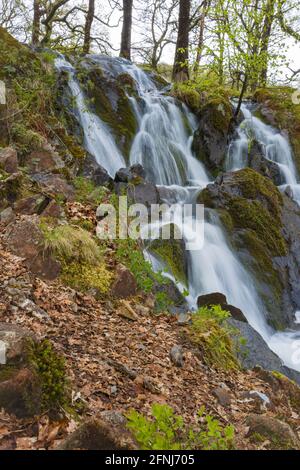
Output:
x=163 y=146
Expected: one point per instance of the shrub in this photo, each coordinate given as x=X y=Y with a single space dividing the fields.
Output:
x=167 y=431
x=210 y=332
x=49 y=368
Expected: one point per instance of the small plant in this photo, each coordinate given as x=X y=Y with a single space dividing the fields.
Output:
x=49 y=368
x=212 y=335
x=167 y=431
x=71 y=243
x=84 y=277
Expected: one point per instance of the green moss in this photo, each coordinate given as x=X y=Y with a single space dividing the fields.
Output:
x=219 y=111
x=49 y=368
x=113 y=106
x=252 y=215
x=86 y=191
x=84 y=277
x=213 y=336
x=172 y=253
x=186 y=93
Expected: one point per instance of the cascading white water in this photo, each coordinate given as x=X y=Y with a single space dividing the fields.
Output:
x=98 y=140
x=275 y=145
x=163 y=146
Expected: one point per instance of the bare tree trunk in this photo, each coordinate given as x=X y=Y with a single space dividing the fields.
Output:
x=36 y=23
x=265 y=40
x=181 y=69
x=206 y=5
x=88 y=26
x=126 y=30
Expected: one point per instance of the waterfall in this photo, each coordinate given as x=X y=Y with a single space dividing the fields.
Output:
x=275 y=146
x=98 y=140
x=163 y=146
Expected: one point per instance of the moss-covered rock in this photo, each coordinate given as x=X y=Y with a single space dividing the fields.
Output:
x=251 y=209
x=210 y=142
x=172 y=253
x=279 y=434
x=109 y=98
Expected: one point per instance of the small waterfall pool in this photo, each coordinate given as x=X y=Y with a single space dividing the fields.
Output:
x=163 y=146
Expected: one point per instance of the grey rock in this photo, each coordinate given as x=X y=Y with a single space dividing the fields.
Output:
x=176 y=356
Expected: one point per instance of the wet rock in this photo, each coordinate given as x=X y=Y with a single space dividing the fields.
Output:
x=223 y=396
x=95 y=172
x=19 y=394
x=24 y=238
x=144 y=193
x=235 y=312
x=13 y=342
x=176 y=356
x=280 y=434
x=9 y=160
x=44 y=159
x=255 y=351
x=125 y=283
x=96 y=434
x=262 y=165
x=126 y=175
x=264 y=228
x=209 y=300
x=210 y=142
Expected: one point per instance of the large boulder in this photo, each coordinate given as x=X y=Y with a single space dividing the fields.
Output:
x=258 y=162
x=19 y=392
x=258 y=218
x=44 y=159
x=25 y=239
x=210 y=142
x=93 y=171
x=253 y=351
x=97 y=434
x=278 y=433
x=54 y=185
x=109 y=88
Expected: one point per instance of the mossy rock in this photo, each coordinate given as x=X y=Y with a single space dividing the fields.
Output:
x=279 y=434
x=250 y=208
x=188 y=95
x=172 y=253
x=109 y=99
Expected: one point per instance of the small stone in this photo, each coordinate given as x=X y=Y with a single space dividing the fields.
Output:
x=183 y=319
x=176 y=356
x=223 y=396
x=125 y=283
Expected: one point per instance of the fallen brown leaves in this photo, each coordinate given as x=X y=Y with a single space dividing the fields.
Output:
x=117 y=361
